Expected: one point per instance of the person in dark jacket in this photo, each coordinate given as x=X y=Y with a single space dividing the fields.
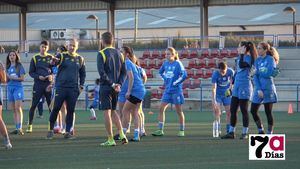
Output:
x=41 y=71
x=112 y=71
x=70 y=80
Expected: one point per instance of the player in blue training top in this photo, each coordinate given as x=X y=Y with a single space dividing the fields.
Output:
x=122 y=97
x=95 y=103
x=135 y=93
x=242 y=88
x=15 y=92
x=221 y=94
x=173 y=73
x=264 y=88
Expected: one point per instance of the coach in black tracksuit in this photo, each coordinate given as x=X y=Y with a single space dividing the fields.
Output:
x=71 y=70
x=41 y=71
x=112 y=71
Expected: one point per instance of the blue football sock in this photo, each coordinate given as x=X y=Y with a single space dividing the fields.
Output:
x=260 y=130
x=161 y=125
x=18 y=126
x=231 y=129
x=136 y=133
x=227 y=128
x=245 y=130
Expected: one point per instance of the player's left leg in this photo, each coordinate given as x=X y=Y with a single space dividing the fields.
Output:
x=268 y=111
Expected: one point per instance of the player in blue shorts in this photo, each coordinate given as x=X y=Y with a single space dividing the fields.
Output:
x=15 y=92
x=264 y=87
x=95 y=103
x=135 y=93
x=140 y=110
x=242 y=89
x=122 y=98
x=221 y=94
x=173 y=73
x=3 y=129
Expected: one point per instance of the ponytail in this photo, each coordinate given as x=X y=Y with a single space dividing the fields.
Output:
x=275 y=54
x=250 y=47
x=253 y=52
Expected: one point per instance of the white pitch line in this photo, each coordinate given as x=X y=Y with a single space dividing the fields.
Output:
x=161 y=20
x=124 y=21
x=263 y=17
x=215 y=17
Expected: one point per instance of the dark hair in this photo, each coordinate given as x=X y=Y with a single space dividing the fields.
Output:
x=130 y=53
x=250 y=47
x=107 y=38
x=270 y=51
x=97 y=81
x=44 y=42
x=18 y=61
x=62 y=48
x=222 y=65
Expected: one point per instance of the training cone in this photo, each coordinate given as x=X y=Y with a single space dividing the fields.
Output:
x=290 y=110
x=150 y=112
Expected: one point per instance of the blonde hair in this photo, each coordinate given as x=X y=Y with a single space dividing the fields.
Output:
x=174 y=52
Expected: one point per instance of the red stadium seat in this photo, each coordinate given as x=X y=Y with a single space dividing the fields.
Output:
x=154 y=93
x=195 y=83
x=208 y=73
x=162 y=55
x=211 y=63
x=159 y=94
x=151 y=64
x=200 y=63
x=233 y=53
x=159 y=63
x=199 y=74
x=214 y=54
x=204 y=53
x=192 y=64
x=186 y=83
x=224 y=53
x=146 y=54
x=190 y=73
x=156 y=64
x=193 y=54
x=149 y=73
x=184 y=54
x=155 y=54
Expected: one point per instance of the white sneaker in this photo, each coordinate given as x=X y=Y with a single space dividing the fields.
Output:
x=8 y=146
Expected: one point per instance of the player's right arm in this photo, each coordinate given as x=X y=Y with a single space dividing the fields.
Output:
x=214 y=89
x=100 y=66
x=32 y=68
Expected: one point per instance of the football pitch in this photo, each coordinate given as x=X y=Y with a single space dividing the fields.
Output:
x=198 y=149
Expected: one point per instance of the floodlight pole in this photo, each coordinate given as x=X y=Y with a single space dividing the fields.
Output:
x=295 y=28
x=135 y=24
